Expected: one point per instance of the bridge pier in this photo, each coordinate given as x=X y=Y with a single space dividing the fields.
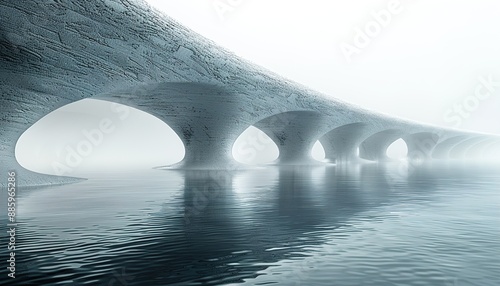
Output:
x=207 y=118
x=341 y=144
x=375 y=147
x=420 y=145
x=52 y=55
x=295 y=133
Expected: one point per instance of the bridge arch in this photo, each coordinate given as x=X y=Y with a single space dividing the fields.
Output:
x=254 y=147
x=459 y=150
x=208 y=118
x=91 y=136
x=374 y=148
x=219 y=96
x=397 y=150
x=341 y=144
x=480 y=150
x=295 y=133
x=442 y=149
x=420 y=145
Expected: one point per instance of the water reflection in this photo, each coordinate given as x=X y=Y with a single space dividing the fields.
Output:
x=209 y=227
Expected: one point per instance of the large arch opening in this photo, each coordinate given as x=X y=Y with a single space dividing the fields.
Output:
x=398 y=150
x=92 y=136
x=254 y=147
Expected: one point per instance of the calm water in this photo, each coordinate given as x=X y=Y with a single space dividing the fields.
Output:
x=362 y=225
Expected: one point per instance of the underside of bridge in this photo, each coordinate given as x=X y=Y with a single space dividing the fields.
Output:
x=442 y=150
x=341 y=144
x=375 y=147
x=295 y=133
x=55 y=53
x=420 y=145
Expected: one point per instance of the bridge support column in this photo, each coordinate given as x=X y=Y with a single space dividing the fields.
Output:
x=421 y=145
x=341 y=144
x=375 y=147
x=207 y=118
x=295 y=133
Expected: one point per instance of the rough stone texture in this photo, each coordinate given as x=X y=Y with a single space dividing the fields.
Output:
x=56 y=52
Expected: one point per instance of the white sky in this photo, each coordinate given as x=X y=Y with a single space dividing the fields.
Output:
x=424 y=64
x=424 y=61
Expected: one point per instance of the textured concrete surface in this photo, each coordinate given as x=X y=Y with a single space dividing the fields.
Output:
x=56 y=52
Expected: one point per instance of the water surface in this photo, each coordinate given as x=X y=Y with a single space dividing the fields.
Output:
x=360 y=225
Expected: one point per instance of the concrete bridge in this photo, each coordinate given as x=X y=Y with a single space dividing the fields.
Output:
x=54 y=53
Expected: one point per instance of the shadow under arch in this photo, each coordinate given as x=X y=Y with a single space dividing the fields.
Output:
x=90 y=136
x=341 y=144
x=374 y=148
x=207 y=117
x=295 y=133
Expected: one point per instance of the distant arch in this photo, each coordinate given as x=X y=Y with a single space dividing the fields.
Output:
x=459 y=150
x=374 y=148
x=442 y=149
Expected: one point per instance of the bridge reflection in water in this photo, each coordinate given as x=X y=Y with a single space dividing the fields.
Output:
x=373 y=222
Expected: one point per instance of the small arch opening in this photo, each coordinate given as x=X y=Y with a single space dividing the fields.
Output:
x=254 y=147
x=397 y=150
x=93 y=136
x=318 y=152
